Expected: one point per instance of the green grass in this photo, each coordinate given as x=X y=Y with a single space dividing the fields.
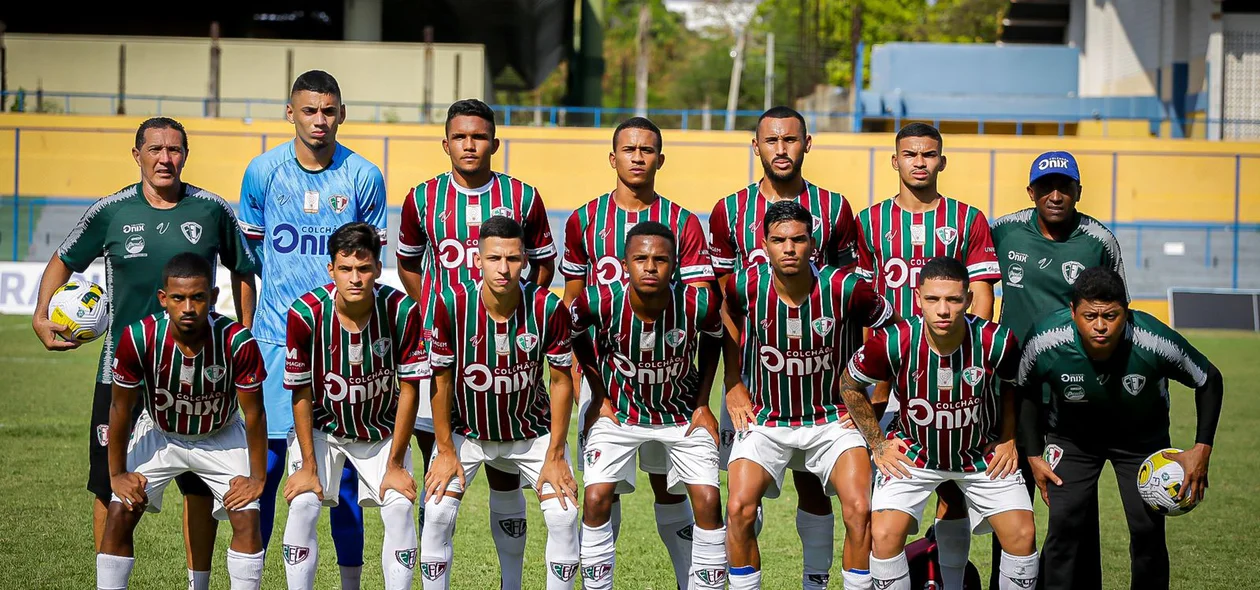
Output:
x=46 y=536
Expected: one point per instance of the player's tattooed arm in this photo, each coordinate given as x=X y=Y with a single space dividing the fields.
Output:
x=305 y=478
x=445 y=465
x=860 y=410
x=129 y=487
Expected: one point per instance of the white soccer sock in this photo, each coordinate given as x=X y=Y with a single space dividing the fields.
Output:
x=245 y=570
x=508 y=529
x=674 y=523
x=198 y=580
x=435 y=545
x=1018 y=572
x=817 y=533
x=953 y=546
x=301 y=546
x=745 y=578
x=858 y=580
x=892 y=573
x=615 y=519
x=398 y=550
x=113 y=571
x=563 y=551
x=351 y=576
x=708 y=559
x=599 y=557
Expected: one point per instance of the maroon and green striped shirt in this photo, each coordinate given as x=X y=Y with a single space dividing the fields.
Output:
x=950 y=404
x=595 y=241
x=648 y=367
x=793 y=356
x=189 y=396
x=500 y=391
x=352 y=374
x=737 y=235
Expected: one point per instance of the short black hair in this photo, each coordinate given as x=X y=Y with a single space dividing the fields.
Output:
x=653 y=228
x=317 y=81
x=945 y=268
x=470 y=107
x=782 y=211
x=160 y=123
x=1100 y=284
x=639 y=123
x=188 y=265
x=919 y=130
x=782 y=112
x=355 y=237
x=502 y=227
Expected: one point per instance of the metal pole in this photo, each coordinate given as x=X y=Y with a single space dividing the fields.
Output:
x=17 y=198
x=769 y=101
x=737 y=69
x=122 y=79
x=428 y=74
x=1237 y=204
x=641 y=63
x=215 y=52
x=4 y=69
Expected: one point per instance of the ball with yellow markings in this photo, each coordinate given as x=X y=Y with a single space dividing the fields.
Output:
x=81 y=306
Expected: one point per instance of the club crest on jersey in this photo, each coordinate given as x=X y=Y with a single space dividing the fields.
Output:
x=592 y=456
x=1133 y=383
x=381 y=347
x=1071 y=270
x=972 y=375
x=501 y=212
x=675 y=337
x=564 y=571
x=192 y=231
x=214 y=373
x=822 y=326
x=432 y=570
x=406 y=557
x=514 y=527
x=526 y=342
x=338 y=203
x=946 y=235
x=294 y=554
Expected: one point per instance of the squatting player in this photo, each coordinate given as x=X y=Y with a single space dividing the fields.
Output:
x=354 y=360
x=794 y=324
x=292 y=198
x=953 y=374
x=137 y=230
x=895 y=238
x=1107 y=368
x=491 y=404
x=645 y=387
x=781 y=141
x=192 y=369
x=437 y=241
x=594 y=248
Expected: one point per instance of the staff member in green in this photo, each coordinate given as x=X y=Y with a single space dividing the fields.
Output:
x=1107 y=368
x=137 y=230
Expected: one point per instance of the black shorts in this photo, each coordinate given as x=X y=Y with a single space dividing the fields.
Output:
x=98 y=451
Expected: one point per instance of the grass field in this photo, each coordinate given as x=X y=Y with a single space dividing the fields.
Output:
x=46 y=538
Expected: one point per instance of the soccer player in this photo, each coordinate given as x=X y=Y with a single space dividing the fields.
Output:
x=437 y=242
x=292 y=198
x=192 y=369
x=353 y=361
x=595 y=245
x=491 y=404
x=1107 y=368
x=781 y=141
x=137 y=230
x=646 y=388
x=793 y=329
x=895 y=238
x=953 y=373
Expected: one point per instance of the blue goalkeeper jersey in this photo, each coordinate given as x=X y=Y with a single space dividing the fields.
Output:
x=288 y=213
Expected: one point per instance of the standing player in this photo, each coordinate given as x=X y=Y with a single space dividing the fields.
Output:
x=347 y=343
x=137 y=230
x=895 y=238
x=794 y=324
x=645 y=388
x=953 y=373
x=594 y=248
x=781 y=141
x=292 y=199
x=1107 y=368
x=189 y=423
x=491 y=405
x=441 y=223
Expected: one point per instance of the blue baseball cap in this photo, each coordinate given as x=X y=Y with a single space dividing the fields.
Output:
x=1054 y=163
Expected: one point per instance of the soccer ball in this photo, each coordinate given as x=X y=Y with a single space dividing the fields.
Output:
x=81 y=306
x=1159 y=481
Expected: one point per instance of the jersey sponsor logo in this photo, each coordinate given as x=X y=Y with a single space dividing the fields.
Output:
x=1044 y=263
x=452 y=254
x=945 y=415
x=972 y=375
x=282 y=198
x=295 y=554
x=675 y=337
x=338 y=203
x=946 y=235
x=1052 y=163
x=649 y=372
x=1072 y=378
x=501 y=380
x=134 y=246
x=406 y=557
x=214 y=373
x=192 y=231
x=308 y=239
x=381 y=347
x=1015 y=274
x=1017 y=256
x=514 y=527
x=822 y=326
x=133 y=228
x=526 y=342
x=1133 y=383
x=203 y=405
x=564 y=571
x=432 y=570
x=1074 y=392
x=608 y=270
x=796 y=362
x=358 y=389
x=898 y=272
x=1071 y=270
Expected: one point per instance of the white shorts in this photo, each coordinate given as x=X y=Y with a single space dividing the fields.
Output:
x=369 y=458
x=216 y=458
x=611 y=447
x=653 y=458
x=424 y=410
x=524 y=457
x=985 y=497
x=726 y=434
x=777 y=449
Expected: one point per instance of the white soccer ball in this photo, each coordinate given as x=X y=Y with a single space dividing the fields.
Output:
x=81 y=306
x=1159 y=481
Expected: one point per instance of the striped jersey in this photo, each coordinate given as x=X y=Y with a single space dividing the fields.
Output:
x=648 y=366
x=893 y=244
x=737 y=234
x=500 y=391
x=951 y=405
x=352 y=374
x=441 y=221
x=792 y=357
x=188 y=396
x=595 y=241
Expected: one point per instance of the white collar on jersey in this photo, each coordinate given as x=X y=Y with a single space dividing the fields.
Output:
x=473 y=191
